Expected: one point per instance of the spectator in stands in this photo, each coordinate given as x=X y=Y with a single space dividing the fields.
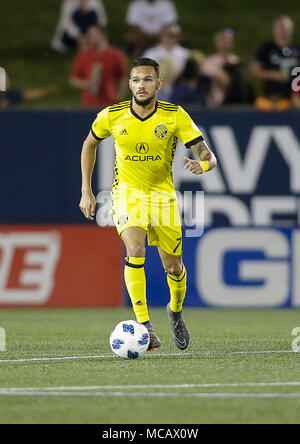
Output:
x=189 y=88
x=296 y=100
x=171 y=56
x=227 y=74
x=146 y=19
x=100 y=71
x=273 y=64
x=76 y=17
x=296 y=89
x=13 y=96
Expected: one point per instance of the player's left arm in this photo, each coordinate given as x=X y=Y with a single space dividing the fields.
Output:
x=207 y=159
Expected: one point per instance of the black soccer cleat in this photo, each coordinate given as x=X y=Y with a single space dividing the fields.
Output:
x=154 y=340
x=180 y=332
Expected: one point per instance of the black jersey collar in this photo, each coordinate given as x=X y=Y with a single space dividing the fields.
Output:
x=141 y=118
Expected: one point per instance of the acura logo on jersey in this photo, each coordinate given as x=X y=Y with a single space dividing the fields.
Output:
x=161 y=131
x=142 y=158
x=142 y=148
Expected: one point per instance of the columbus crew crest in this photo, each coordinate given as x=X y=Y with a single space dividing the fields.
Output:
x=161 y=131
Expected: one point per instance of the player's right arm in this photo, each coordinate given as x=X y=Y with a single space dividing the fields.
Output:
x=88 y=156
x=100 y=130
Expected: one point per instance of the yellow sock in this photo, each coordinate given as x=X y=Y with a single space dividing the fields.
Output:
x=135 y=280
x=177 y=285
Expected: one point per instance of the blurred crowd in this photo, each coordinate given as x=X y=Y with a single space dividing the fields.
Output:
x=190 y=76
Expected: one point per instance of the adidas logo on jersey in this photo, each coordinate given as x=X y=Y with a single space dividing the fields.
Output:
x=124 y=132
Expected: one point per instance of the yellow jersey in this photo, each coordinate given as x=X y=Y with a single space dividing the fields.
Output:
x=145 y=148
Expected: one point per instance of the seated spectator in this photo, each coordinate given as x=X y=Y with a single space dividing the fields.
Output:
x=227 y=75
x=146 y=19
x=13 y=96
x=296 y=100
x=239 y=91
x=100 y=71
x=188 y=89
x=169 y=53
x=273 y=64
x=75 y=18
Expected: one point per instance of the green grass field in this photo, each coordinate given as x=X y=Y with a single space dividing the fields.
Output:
x=239 y=368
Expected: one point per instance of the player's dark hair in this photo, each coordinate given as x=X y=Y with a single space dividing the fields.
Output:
x=144 y=61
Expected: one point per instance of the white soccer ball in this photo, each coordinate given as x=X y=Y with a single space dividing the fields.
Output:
x=129 y=339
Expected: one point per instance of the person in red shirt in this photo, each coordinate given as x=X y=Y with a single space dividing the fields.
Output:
x=100 y=71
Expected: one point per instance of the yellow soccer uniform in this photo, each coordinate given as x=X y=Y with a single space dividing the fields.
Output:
x=145 y=151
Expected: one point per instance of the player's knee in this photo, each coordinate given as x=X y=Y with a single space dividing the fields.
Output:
x=175 y=269
x=134 y=249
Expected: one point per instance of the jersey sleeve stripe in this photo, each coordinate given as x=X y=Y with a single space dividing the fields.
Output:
x=114 y=110
x=120 y=104
x=167 y=106
x=193 y=142
x=96 y=137
x=167 y=109
x=118 y=109
x=161 y=102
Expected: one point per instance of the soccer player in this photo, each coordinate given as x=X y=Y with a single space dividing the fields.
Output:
x=144 y=200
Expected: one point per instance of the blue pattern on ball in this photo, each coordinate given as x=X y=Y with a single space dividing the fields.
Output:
x=128 y=328
x=116 y=344
x=144 y=340
x=132 y=355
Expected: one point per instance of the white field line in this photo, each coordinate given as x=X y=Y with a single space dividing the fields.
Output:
x=151 y=395
x=152 y=386
x=149 y=355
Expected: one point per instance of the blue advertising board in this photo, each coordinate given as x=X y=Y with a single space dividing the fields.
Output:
x=40 y=178
x=248 y=253
x=257 y=181
x=234 y=267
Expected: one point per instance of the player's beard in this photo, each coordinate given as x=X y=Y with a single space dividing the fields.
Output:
x=144 y=102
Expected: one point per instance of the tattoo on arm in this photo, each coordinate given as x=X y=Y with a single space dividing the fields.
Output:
x=203 y=153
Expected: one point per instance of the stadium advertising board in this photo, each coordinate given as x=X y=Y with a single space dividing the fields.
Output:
x=235 y=267
x=256 y=188
x=257 y=182
x=58 y=266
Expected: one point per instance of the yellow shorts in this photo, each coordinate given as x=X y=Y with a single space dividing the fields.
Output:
x=156 y=213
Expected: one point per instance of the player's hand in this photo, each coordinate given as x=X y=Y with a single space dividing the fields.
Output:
x=193 y=165
x=88 y=204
